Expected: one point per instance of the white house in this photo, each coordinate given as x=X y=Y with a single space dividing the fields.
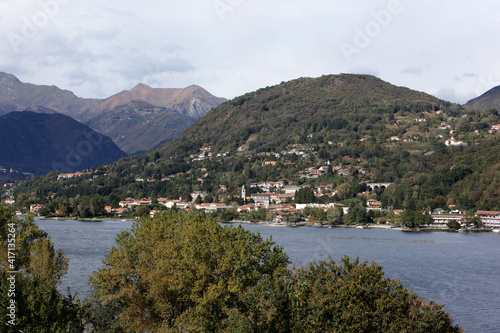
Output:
x=489 y=218
x=453 y=142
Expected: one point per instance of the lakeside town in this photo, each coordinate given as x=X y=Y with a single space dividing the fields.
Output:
x=274 y=204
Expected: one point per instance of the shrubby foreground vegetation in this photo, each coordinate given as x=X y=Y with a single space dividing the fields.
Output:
x=40 y=307
x=186 y=272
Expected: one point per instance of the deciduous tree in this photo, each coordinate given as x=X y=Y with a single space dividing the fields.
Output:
x=182 y=272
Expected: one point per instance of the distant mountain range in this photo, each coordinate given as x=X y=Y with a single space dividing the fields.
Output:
x=41 y=142
x=137 y=120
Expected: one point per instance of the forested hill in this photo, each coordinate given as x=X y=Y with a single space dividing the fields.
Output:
x=331 y=106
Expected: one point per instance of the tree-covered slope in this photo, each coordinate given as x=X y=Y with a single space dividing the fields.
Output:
x=335 y=106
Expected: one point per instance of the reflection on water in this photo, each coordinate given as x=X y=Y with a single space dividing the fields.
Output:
x=460 y=270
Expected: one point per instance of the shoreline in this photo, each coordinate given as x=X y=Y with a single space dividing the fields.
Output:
x=291 y=225
x=315 y=225
x=372 y=226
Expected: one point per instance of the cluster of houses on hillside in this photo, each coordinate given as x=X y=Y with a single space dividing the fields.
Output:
x=279 y=204
x=72 y=175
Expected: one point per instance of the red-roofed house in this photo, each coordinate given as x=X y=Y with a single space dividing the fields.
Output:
x=489 y=218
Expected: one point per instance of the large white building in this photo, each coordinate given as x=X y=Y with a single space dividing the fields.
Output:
x=441 y=220
x=489 y=218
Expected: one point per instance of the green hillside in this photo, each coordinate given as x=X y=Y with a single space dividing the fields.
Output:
x=334 y=107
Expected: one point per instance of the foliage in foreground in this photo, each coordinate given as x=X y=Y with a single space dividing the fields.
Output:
x=185 y=272
x=329 y=297
x=39 y=306
x=182 y=271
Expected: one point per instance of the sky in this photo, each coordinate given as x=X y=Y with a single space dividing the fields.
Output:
x=449 y=49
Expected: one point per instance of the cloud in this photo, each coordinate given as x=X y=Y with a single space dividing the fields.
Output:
x=447 y=94
x=416 y=70
x=98 y=49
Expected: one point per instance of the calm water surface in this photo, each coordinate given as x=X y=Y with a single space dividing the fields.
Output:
x=460 y=270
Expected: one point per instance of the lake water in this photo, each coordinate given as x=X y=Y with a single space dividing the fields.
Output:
x=459 y=270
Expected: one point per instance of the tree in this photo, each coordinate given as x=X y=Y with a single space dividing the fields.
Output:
x=180 y=271
x=328 y=297
x=21 y=200
x=453 y=225
x=305 y=195
x=65 y=209
x=334 y=215
x=142 y=210
x=414 y=219
x=208 y=199
x=358 y=213
x=97 y=206
x=198 y=200
x=84 y=207
x=39 y=305
x=473 y=220
x=345 y=191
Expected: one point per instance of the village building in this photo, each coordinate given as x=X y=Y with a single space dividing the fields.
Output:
x=211 y=207
x=489 y=218
x=36 y=208
x=201 y=194
x=373 y=204
x=263 y=199
x=453 y=142
x=442 y=220
x=71 y=175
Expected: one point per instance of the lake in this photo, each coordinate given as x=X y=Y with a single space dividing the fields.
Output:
x=458 y=269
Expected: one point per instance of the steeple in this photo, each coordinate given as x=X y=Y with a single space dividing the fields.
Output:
x=244 y=194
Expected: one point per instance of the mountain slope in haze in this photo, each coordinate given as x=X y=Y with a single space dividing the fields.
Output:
x=39 y=143
x=138 y=125
x=488 y=100
x=332 y=106
x=192 y=101
x=14 y=93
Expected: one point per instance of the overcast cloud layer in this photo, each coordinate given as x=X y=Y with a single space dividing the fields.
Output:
x=449 y=49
